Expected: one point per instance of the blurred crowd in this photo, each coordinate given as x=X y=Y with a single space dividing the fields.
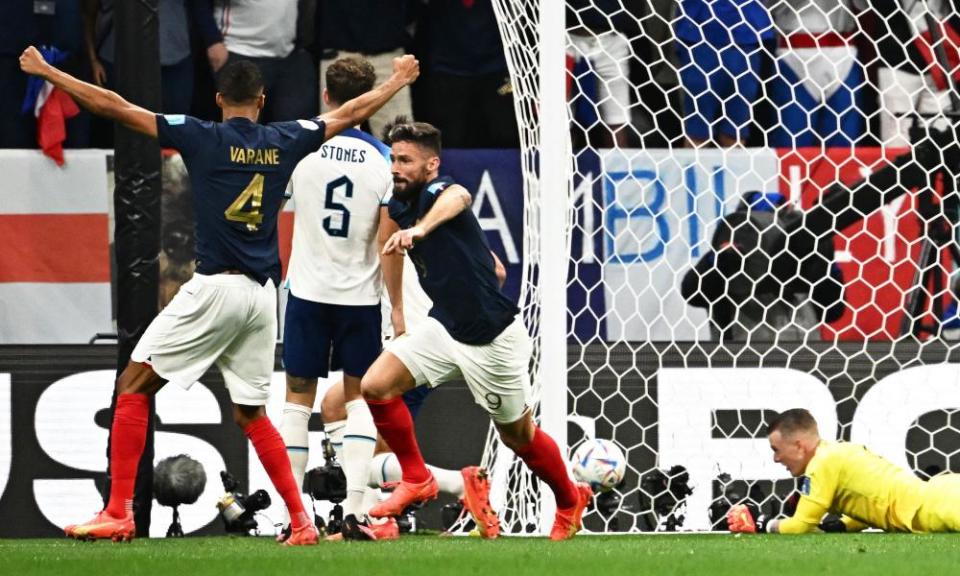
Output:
x=641 y=72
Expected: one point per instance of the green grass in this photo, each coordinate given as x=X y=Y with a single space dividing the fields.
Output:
x=708 y=555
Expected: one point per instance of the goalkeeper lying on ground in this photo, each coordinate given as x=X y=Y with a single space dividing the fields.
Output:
x=848 y=480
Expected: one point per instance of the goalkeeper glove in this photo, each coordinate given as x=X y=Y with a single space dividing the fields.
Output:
x=746 y=518
x=831 y=523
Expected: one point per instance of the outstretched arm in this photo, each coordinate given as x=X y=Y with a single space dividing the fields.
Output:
x=451 y=202
x=95 y=99
x=392 y=266
x=353 y=112
x=805 y=519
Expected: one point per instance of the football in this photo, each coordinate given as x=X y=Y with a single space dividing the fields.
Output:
x=600 y=463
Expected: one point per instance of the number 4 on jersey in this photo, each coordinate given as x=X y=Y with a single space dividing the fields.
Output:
x=253 y=194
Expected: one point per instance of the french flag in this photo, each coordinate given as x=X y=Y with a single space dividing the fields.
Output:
x=52 y=107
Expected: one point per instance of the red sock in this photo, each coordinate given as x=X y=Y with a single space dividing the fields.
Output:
x=273 y=455
x=128 y=434
x=396 y=426
x=543 y=457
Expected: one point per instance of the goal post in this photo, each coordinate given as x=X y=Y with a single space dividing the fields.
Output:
x=554 y=193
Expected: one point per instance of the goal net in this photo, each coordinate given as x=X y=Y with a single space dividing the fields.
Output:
x=752 y=206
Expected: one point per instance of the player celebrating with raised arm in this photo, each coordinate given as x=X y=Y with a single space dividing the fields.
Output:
x=866 y=490
x=333 y=308
x=226 y=314
x=473 y=332
x=470 y=485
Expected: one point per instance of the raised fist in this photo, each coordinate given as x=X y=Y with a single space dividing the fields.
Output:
x=406 y=68
x=32 y=62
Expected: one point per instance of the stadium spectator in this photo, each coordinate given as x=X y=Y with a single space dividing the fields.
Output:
x=598 y=60
x=719 y=48
x=176 y=63
x=909 y=78
x=657 y=111
x=346 y=29
x=817 y=88
x=469 y=96
x=23 y=24
x=265 y=32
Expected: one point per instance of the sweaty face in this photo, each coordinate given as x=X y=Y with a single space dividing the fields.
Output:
x=789 y=452
x=411 y=169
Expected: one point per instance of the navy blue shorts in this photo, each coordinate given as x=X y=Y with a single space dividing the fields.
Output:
x=318 y=338
x=415 y=398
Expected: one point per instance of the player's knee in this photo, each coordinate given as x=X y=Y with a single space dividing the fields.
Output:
x=244 y=415
x=332 y=407
x=374 y=388
x=299 y=385
x=517 y=435
x=138 y=378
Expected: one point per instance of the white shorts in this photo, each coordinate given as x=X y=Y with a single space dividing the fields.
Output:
x=609 y=56
x=226 y=319
x=496 y=373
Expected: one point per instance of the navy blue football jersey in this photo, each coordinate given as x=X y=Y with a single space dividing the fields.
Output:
x=238 y=173
x=456 y=270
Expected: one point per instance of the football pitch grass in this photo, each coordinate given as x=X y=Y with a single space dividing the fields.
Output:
x=650 y=555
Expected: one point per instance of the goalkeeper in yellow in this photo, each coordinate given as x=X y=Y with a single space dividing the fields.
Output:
x=865 y=490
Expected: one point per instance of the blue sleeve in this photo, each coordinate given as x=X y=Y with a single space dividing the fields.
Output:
x=181 y=132
x=308 y=135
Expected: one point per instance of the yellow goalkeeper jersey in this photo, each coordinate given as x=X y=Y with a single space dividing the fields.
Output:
x=849 y=480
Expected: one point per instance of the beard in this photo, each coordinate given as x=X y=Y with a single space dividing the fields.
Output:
x=406 y=190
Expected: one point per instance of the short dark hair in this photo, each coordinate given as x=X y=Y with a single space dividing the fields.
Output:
x=348 y=78
x=403 y=129
x=791 y=421
x=240 y=82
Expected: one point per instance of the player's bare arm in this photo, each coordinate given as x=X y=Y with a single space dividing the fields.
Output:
x=392 y=267
x=353 y=112
x=499 y=269
x=452 y=202
x=97 y=100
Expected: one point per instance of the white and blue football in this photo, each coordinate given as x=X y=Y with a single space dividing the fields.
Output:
x=600 y=463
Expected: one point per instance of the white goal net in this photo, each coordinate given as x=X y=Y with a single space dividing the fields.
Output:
x=733 y=208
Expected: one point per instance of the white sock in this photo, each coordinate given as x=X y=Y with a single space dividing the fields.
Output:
x=385 y=468
x=370 y=497
x=359 y=440
x=335 y=432
x=450 y=481
x=293 y=430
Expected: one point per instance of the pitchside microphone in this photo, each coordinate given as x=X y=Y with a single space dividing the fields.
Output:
x=178 y=480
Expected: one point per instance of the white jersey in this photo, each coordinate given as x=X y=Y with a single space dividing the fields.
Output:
x=338 y=192
x=257 y=28
x=416 y=303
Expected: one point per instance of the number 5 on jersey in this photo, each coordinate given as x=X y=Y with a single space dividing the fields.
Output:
x=338 y=223
x=253 y=194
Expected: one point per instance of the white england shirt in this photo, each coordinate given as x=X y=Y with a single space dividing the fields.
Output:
x=337 y=193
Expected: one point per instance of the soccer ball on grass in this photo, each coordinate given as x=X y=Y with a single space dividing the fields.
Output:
x=600 y=463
